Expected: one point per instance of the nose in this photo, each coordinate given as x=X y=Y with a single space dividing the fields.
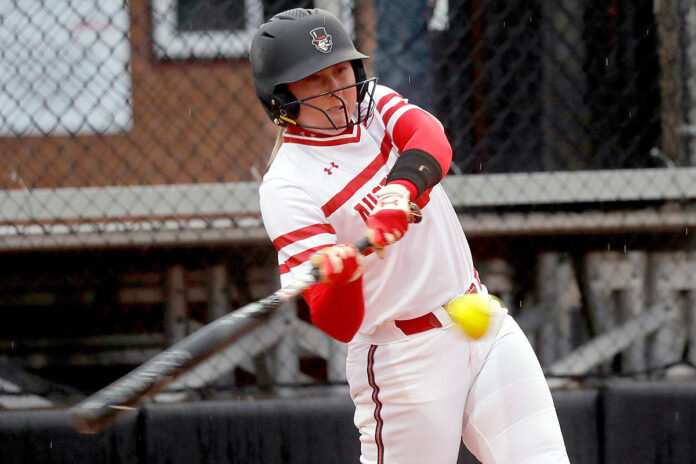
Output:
x=331 y=83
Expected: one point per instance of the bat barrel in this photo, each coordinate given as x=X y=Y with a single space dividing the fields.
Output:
x=97 y=411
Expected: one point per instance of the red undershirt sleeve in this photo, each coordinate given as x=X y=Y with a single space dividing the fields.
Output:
x=422 y=142
x=417 y=129
x=338 y=310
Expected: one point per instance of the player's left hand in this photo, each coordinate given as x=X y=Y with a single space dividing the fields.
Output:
x=338 y=264
x=389 y=220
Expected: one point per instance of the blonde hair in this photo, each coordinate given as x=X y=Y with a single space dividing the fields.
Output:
x=276 y=146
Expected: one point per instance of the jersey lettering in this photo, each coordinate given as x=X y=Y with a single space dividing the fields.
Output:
x=368 y=202
x=364 y=212
x=372 y=199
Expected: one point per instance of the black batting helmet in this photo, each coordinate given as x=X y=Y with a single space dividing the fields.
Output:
x=295 y=44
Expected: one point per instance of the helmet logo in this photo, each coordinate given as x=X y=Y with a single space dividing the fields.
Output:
x=321 y=40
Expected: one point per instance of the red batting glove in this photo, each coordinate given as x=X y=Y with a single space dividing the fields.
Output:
x=338 y=264
x=389 y=220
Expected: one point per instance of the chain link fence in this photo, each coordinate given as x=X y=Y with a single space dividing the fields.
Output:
x=132 y=145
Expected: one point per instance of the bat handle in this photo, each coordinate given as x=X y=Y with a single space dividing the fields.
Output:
x=363 y=245
x=415 y=216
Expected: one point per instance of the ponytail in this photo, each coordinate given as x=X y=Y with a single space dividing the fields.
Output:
x=276 y=147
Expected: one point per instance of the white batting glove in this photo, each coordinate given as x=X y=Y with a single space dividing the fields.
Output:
x=389 y=220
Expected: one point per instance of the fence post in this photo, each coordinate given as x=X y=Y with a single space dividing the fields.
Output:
x=672 y=281
x=616 y=294
x=175 y=310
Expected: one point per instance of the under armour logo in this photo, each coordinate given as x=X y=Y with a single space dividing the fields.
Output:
x=328 y=170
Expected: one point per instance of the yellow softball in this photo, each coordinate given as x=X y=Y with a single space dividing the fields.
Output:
x=471 y=312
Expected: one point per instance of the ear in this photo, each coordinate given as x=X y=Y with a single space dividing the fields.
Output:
x=360 y=75
x=284 y=104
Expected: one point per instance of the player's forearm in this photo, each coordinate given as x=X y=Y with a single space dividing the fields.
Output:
x=338 y=310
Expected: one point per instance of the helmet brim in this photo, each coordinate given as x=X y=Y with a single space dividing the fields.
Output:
x=309 y=67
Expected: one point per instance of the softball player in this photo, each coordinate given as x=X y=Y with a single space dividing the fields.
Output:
x=350 y=157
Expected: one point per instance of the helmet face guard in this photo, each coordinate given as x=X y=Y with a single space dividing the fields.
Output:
x=295 y=44
x=288 y=112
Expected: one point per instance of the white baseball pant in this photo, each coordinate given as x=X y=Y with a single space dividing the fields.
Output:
x=417 y=396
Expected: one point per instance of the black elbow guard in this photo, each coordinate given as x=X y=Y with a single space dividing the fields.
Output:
x=419 y=167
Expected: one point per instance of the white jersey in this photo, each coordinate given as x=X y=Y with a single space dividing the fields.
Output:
x=319 y=191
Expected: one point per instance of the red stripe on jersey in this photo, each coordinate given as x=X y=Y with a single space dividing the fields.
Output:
x=321 y=140
x=299 y=258
x=478 y=280
x=386 y=99
x=387 y=116
x=361 y=179
x=302 y=233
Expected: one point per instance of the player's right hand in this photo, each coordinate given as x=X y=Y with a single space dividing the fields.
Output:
x=389 y=220
x=338 y=264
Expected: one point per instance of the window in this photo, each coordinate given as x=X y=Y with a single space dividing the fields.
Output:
x=222 y=28
x=181 y=29
x=64 y=68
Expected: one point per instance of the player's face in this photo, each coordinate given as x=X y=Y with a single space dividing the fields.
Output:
x=332 y=105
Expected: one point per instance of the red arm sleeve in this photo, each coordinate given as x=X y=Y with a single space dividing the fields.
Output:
x=417 y=129
x=338 y=310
